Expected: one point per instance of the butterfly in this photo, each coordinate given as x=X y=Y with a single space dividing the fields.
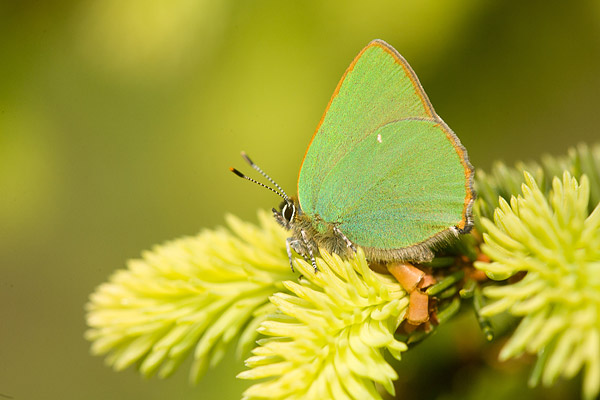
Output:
x=383 y=171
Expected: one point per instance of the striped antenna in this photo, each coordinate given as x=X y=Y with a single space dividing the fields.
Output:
x=241 y=175
x=256 y=167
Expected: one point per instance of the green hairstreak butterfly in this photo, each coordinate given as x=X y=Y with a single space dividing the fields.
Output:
x=382 y=172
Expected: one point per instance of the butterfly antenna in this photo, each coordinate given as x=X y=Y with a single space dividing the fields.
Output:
x=241 y=175
x=256 y=167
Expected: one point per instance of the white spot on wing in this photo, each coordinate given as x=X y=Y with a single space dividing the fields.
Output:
x=379 y=137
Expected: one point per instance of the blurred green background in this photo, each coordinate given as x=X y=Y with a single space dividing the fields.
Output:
x=119 y=120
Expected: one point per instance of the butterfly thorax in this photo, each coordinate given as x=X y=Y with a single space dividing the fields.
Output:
x=310 y=232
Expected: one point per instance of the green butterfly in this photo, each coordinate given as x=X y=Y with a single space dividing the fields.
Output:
x=382 y=172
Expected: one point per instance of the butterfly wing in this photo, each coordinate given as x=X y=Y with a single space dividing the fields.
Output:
x=382 y=165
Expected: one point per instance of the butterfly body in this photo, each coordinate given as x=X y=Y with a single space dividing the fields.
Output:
x=310 y=233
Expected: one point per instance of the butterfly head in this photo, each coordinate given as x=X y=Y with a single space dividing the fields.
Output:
x=287 y=213
x=288 y=209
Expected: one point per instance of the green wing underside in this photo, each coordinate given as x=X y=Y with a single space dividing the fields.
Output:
x=393 y=199
x=382 y=166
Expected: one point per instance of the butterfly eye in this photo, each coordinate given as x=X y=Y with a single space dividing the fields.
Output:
x=288 y=211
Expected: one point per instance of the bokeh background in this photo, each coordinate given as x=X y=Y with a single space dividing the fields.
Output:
x=119 y=120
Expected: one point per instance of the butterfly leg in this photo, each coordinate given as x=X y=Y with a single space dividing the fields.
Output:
x=288 y=247
x=348 y=242
x=309 y=248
